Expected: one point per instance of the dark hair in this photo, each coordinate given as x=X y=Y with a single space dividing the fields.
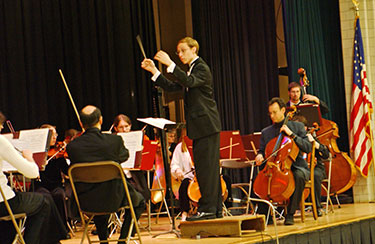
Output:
x=89 y=120
x=300 y=118
x=47 y=126
x=277 y=100
x=2 y=118
x=120 y=117
x=293 y=84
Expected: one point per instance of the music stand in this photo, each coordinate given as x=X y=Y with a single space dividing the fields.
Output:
x=311 y=112
x=161 y=124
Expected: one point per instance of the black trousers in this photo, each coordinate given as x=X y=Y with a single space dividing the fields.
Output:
x=101 y=221
x=183 y=197
x=319 y=176
x=43 y=224
x=206 y=153
x=59 y=197
x=295 y=199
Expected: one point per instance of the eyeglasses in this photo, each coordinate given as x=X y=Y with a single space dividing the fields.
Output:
x=180 y=51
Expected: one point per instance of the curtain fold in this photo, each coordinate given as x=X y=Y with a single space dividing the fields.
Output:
x=313 y=41
x=238 y=41
x=94 y=44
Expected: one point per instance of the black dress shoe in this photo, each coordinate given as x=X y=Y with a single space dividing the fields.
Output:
x=219 y=214
x=289 y=220
x=201 y=216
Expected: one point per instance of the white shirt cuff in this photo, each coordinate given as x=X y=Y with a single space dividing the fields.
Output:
x=155 y=76
x=171 y=67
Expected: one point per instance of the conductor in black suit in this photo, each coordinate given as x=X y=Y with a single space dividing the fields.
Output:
x=94 y=146
x=202 y=119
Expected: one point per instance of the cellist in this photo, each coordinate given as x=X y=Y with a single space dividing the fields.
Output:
x=296 y=131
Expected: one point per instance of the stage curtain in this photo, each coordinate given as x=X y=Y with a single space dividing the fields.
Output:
x=94 y=44
x=238 y=41
x=313 y=41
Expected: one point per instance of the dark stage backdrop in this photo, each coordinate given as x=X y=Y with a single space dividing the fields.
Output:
x=93 y=42
x=238 y=41
x=313 y=41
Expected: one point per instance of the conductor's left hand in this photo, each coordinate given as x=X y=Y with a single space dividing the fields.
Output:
x=163 y=58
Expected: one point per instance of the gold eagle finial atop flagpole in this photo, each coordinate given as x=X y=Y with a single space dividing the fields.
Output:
x=356 y=7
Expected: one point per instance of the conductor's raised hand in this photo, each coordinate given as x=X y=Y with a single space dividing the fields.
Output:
x=163 y=58
x=149 y=65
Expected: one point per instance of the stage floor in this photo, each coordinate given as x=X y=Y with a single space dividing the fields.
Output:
x=348 y=213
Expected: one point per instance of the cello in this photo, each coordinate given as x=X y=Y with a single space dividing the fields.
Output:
x=276 y=182
x=343 y=171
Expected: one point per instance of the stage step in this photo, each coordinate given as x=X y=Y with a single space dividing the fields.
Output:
x=227 y=226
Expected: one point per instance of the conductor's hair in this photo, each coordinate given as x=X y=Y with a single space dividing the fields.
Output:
x=293 y=84
x=89 y=120
x=190 y=42
x=2 y=118
x=277 y=100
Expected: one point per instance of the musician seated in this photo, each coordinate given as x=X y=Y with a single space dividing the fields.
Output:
x=321 y=153
x=122 y=123
x=43 y=224
x=182 y=171
x=51 y=179
x=294 y=92
x=296 y=131
x=92 y=146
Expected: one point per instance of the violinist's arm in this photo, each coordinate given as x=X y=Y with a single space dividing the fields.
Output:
x=323 y=151
x=298 y=134
x=301 y=138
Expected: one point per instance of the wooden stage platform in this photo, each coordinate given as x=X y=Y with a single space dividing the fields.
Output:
x=352 y=223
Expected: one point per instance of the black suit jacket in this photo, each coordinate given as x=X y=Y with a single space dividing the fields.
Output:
x=301 y=140
x=202 y=116
x=94 y=146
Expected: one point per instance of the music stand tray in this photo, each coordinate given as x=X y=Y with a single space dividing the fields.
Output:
x=311 y=112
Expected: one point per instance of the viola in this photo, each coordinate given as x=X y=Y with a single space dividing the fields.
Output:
x=276 y=182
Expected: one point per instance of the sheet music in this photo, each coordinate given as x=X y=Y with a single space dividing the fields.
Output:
x=133 y=142
x=157 y=122
x=35 y=140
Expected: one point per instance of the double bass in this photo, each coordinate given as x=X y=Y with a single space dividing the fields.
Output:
x=276 y=181
x=343 y=171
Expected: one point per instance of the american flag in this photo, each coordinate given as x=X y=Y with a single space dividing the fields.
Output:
x=361 y=108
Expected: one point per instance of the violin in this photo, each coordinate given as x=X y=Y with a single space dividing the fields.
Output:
x=58 y=151
x=276 y=181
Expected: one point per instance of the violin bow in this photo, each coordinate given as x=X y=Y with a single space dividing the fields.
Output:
x=71 y=98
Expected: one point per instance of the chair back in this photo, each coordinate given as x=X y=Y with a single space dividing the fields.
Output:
x=95 y=172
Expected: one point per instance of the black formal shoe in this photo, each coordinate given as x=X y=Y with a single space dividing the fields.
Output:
x=320 y=213
x=201 y=216
x=219 y=214
x=289 y=220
